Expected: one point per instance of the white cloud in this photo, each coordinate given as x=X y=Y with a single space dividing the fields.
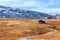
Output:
x=18 y=3
x=38 y=5
x=50 y=10
x=28 y=3
x=23 y=3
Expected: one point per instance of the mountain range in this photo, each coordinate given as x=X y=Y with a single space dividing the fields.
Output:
x=8 y=12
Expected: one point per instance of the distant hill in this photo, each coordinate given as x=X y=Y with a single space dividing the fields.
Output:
x=57 y=16
x=8 y=12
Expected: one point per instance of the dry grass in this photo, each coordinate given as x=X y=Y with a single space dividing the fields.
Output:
x=54 y=36
x=13 y=29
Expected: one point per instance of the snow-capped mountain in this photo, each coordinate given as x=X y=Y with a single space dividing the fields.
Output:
x=8 y=12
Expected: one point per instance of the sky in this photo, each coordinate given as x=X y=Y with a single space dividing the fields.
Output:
x=46 y=6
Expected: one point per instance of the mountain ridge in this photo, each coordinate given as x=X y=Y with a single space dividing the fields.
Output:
x=8 y=12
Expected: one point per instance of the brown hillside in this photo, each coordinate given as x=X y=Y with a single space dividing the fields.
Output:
x=14 y=29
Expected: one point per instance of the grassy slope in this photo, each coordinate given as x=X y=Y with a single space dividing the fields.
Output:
x=17 y=28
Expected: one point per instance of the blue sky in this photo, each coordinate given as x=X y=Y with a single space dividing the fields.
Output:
x=47 y=6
